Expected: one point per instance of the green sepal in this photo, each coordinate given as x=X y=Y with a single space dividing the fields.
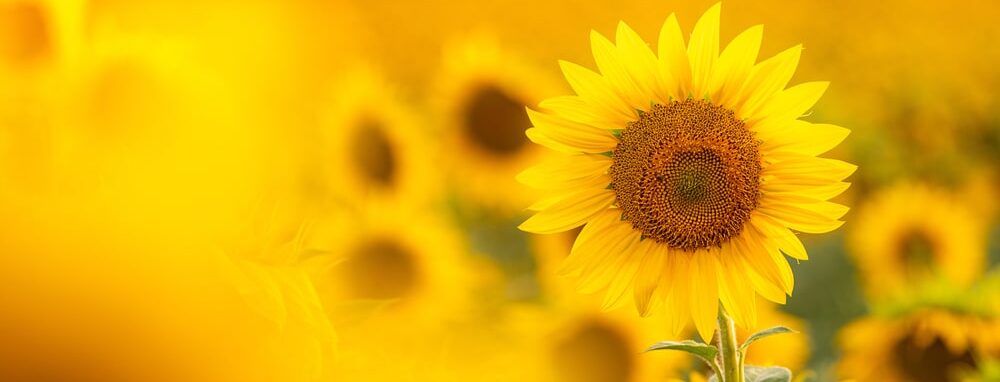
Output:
x=764 y=333
x=640 y=112
x=617 y=133
x=608 y=154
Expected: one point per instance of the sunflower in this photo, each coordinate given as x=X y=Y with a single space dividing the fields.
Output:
x=688 y=170
x=39 y=36
x=379 y=255
x=569 y=341
x=373 y=147
x=925 y=345
x=40 y=43
x=482 y=93
x=400 y=274
x=909 y=233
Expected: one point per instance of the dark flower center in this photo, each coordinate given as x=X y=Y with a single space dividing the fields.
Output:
x=595 y=352
x=379 y=269
x=373 y=155
x=687 y=174
x=496 y=122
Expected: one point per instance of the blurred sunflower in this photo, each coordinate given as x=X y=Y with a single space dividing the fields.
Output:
x=930 y=345
x=374 y=149
x=378 y=255
x=909 y=233
x=570 y=342
x=40 y=45
x=383 y=271
x=689 y=170
x=39 y=36
x=482 y=92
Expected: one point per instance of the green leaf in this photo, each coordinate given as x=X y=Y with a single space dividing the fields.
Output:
x=766 y=374
x=762 y=374
x=705 y=352
x=764 y=333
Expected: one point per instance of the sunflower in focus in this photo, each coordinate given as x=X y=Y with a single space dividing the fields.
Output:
x=689 y=170
x=373 y=147
x=910 y=233
x=930 y=345
x=482 y=93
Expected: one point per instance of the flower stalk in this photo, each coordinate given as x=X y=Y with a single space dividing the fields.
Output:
x=732 y=365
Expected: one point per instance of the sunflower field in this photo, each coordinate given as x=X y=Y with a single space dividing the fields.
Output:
x=550 y=190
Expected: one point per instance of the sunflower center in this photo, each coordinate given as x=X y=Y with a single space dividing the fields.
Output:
x=933 y=363
x=594 y=353
x=380 y=269
x=687 y=174
x=24 y=33
x=916 y=249
x=496 y=122
x=373 y=154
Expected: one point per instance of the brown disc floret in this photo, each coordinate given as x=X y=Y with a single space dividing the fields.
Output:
x=687 y=174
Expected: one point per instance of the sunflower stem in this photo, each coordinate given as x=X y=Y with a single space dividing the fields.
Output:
x=732 y=368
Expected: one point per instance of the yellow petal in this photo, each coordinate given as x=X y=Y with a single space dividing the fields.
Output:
x=734 y=65
x=674 y=58
x=602 y=271
x=538 y=136
x=596 y=91
x=806 y=195
x=807 y=170
x=642 y=65
x=703 y=50
x=592 y=239
x=570 y=212
x=735 y=289
x=765 y=288
x=584 y=137
x=624 y=278
x=798 y=218
x=802 y=138
x=787 y=241
x=546 y=202
x=647 y=279
x=755 y=258
x=613 y=70
x=704 y=292
x=822 y=192
x=576 y=109
x=791 y=103
x=767 y=255
x=767 y=79
x=565 y=172
x=677 y=301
